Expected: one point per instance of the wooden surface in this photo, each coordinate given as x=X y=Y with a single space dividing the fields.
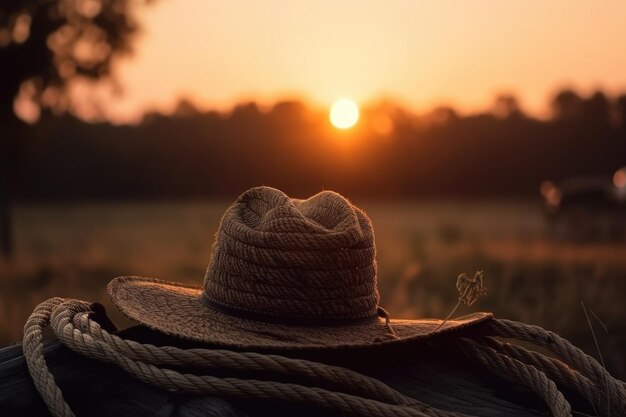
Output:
x=434 y=373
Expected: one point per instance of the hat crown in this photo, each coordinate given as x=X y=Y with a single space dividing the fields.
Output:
x=299 y=259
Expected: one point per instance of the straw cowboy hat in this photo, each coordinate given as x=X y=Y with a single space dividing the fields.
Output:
x=285 y=274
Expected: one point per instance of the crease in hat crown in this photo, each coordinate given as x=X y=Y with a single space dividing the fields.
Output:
x=299 y=259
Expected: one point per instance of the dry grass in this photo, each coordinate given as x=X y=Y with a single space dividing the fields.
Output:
x=73 y=251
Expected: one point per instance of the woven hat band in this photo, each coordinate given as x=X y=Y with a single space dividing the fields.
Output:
x=300 y=259
x=290 y=321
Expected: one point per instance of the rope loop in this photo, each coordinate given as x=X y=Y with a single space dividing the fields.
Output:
x=586 y=366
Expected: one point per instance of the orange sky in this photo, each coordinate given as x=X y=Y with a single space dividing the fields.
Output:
x=421 y=53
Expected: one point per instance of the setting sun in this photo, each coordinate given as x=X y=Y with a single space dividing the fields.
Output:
x=344 y=113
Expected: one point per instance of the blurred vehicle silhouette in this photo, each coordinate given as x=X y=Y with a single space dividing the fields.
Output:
x=587 y=208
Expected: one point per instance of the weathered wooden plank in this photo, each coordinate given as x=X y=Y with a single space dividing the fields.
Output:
x=434 y=373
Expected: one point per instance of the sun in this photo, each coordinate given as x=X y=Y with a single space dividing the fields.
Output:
x=344 y=113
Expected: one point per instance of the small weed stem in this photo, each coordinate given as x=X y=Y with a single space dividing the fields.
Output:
x=593 y=333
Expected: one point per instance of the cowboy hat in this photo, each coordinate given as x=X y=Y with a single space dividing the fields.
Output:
x=285 y=274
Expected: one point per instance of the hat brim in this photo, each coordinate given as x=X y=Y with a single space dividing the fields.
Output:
x=178 y=310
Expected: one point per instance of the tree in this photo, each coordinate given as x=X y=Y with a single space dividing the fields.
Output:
x=45 y=47
x=596 y=110
x=505 y=106
x=567 y=105
x=185 y=109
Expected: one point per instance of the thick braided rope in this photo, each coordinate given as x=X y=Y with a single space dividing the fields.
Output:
x=559 y=372
x=515 y=370
x=583 y=363
x=364 y=395
x=71 y=324
x=147 y=372
x=64 y=322
x=304 y=259
x=37 y=367
x=251 y=388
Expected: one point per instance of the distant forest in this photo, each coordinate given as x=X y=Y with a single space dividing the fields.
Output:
x=391 y=152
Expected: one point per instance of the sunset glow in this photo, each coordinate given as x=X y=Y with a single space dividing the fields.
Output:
x=344 y=113
x=421 y=54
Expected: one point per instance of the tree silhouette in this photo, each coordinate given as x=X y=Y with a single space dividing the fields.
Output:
x=45 y=47
x=506 y=105
x=567 y=105
x=292 y=146
x=596 y=110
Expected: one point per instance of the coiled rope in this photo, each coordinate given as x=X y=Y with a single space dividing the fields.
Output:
x=353 y=393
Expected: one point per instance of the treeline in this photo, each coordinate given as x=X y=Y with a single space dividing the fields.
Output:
x=391 y=153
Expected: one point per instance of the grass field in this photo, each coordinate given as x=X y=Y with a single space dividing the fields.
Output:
x=74 y=250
